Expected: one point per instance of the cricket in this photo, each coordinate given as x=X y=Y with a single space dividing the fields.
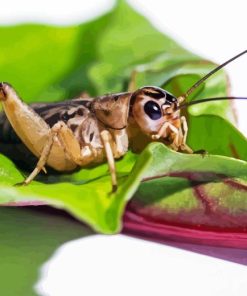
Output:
x=83 y=131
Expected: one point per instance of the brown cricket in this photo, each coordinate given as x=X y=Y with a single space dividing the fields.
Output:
x=82 y=131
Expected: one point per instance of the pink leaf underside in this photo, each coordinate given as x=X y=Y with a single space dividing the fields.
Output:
x=24 y=203
x=139 y=226
x=228 y=246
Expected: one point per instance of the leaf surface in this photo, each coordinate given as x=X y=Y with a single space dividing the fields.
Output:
x=191 y=198
x=52 y=63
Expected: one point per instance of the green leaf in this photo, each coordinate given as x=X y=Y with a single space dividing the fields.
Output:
x=85 y=194
x=216 y=136
x=61 y=62
x=193 y=191
x=51 y=63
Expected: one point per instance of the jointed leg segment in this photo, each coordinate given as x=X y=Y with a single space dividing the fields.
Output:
x=184 y=146
x=163 y=130
x=106 y=138
x=72 y=148
x=180 y=135
x=44 y=155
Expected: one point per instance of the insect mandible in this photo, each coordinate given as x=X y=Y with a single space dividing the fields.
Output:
x=83 y=131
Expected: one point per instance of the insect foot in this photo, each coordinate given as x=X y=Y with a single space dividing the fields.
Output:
x=3 y=91
x=202 y=152
x=20 y=184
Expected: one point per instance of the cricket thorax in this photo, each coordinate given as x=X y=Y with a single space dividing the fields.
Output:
x=112 y=110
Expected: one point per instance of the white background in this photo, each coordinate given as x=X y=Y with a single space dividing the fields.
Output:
x=119 y=265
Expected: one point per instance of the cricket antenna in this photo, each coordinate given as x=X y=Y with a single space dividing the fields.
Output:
x=185 y=105
x=199 y=82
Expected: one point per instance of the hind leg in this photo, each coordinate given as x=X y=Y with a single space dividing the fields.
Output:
x=43 y=158
x=60 y=132
x=85 y=155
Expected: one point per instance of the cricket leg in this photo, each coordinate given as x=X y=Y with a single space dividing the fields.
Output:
x=32 y=129
x=80 y=156
x=71 y=147
x=177 y=140
x=120 y=142
x=184 y=146
x=27 y=124
x=86 y=154
x=44 y=155
x=106 y=138
x=163 y=131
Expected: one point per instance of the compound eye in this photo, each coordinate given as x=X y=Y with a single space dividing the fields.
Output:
x=152 y=109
